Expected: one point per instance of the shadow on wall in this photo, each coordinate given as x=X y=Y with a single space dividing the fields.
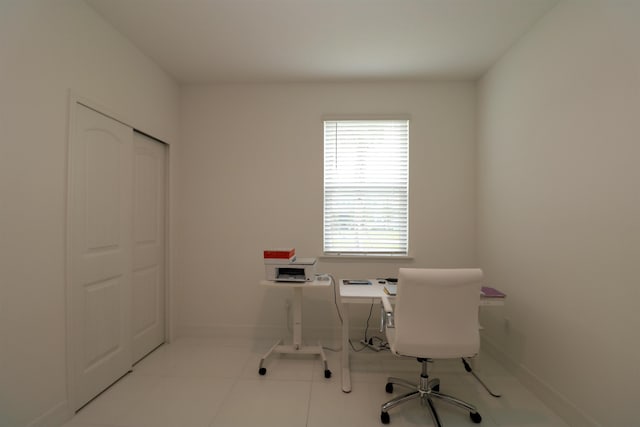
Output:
x=497 y=332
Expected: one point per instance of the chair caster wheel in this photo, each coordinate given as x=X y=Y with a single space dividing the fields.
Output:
x=475 y=417
x=327 y=373
x=436 y=388
x=388 y=388
x=262 y=371
x=384 y=417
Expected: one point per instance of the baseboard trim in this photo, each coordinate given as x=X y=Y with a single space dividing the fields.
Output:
x=557 y=402
x=326 y=335
x=56 y=416
x=247 y=332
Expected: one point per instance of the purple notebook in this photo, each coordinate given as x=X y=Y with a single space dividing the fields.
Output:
x=490 y=292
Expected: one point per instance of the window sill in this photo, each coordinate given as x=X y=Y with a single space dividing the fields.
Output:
x=363 y=257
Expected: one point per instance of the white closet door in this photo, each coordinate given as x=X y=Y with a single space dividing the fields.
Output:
x=100 y=252
x=148 y=280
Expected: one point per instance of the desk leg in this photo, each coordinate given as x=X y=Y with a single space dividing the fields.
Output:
x=297 y=318
x=346 y=371
x=296 y=346
x=468 y=366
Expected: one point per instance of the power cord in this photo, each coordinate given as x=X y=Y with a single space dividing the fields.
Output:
x=367 y=342
x=334 y=284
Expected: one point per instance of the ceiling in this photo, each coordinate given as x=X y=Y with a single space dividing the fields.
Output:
x=214 y=41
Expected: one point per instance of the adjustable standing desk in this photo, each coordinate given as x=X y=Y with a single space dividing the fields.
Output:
x=296 y=347
x=368 y=294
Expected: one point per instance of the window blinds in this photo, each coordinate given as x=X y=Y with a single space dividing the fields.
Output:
x=366 y=183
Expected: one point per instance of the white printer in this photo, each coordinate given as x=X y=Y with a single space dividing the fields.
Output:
x=297 y=270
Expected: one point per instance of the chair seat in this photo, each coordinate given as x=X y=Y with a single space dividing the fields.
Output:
x=451 y=350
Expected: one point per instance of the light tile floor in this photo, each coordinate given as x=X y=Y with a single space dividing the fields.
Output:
x=202 y=382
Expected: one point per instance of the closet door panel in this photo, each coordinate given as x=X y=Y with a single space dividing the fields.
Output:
x=148 y=245
x=100 y=252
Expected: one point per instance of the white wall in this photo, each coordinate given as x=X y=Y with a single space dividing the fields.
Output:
x=559 y=208
x=47 y=48
x=251 y=177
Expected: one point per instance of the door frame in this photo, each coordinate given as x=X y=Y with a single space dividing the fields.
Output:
x=74 y=99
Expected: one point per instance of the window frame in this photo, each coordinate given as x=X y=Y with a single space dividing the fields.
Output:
x=370 y=252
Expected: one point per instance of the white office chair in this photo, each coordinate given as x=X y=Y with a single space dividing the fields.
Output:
x=435 y=317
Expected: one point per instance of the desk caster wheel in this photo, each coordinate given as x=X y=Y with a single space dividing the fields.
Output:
x=262 y=371
x=327 y=373
x=384 y=417
x=475 y=417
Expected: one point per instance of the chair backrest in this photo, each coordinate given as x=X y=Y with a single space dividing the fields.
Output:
x=436 y=312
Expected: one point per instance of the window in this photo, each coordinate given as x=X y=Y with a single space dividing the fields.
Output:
x=366 y=187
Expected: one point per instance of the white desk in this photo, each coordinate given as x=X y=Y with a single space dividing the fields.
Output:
x=296 y=347
x=368 y=294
